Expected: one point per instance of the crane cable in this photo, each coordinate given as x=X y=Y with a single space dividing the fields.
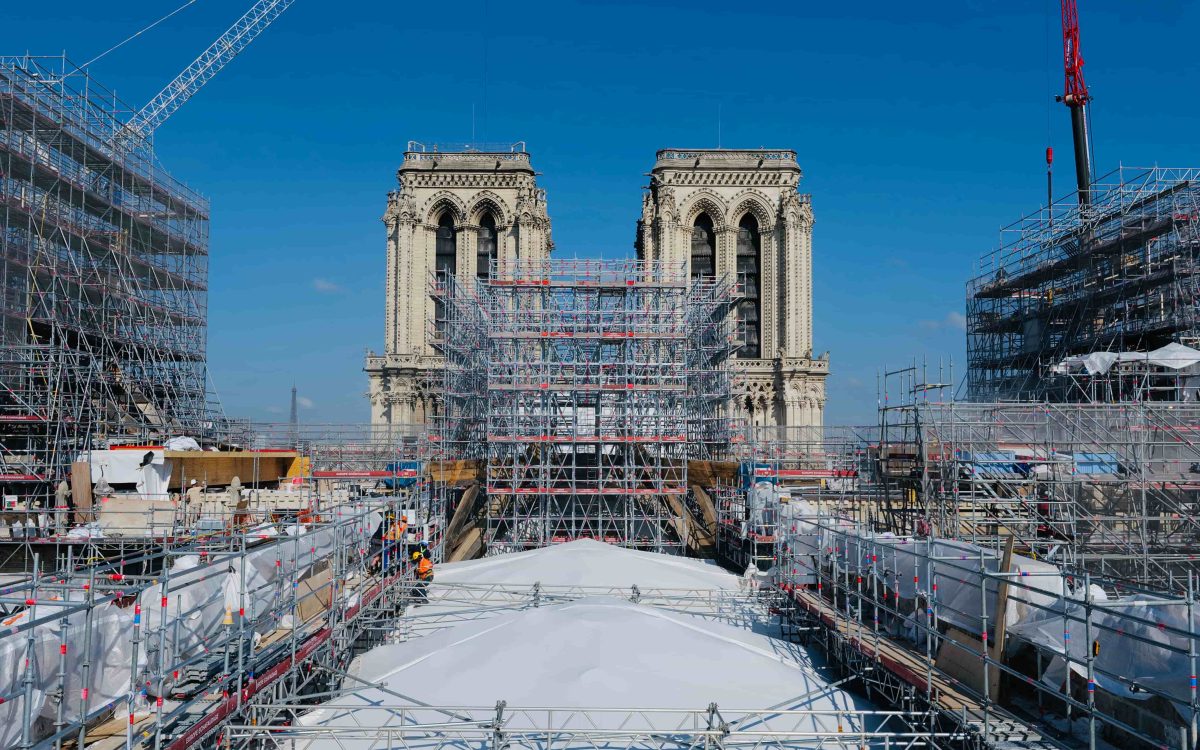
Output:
x=143 y=31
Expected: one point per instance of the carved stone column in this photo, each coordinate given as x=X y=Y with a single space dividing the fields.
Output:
x=505 y=252
x=726 y=251
x=768 y=286
x=468 y=245
x=424 y=249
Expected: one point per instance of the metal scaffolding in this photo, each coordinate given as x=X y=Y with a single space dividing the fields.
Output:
x=584 y=387
x=1007 y=648
x=825 y=467
x=1108 y=488
x=104 y=277
x=1117 y=274
x=160 y=618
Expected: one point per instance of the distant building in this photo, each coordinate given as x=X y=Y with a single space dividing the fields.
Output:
x=725 y=211
x=457 y=208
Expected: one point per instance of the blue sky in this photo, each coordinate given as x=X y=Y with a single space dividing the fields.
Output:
x=920 y=127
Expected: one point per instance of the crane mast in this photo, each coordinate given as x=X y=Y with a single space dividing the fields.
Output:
x=208 y=64
x=1075 y=96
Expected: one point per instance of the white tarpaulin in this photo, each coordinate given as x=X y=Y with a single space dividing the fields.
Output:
x=908 y=566
x=1173 y=356
x=595 y=653
x=589 y=563
x=109 y=652
x=1135 y=649
x=146 y=468
x=197 y=595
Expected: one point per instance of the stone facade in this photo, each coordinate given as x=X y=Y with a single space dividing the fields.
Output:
x=715 y=211
x=450 y=205
x=738 y=211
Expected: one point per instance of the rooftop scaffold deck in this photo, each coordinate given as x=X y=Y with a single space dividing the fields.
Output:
x=1118 y=274
x=583 y=388
x=103 y=318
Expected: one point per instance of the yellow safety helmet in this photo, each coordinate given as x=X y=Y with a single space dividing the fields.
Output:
x=416 y=556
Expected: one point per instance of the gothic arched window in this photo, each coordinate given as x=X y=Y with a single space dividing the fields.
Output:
x=446 y=250
x=704 y=245
x=486 y=251
x=749 y=271
x=445 y=259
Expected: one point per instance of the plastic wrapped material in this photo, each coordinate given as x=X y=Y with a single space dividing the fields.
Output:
x=107 y=655
x=182 y=615
x=1138 y=644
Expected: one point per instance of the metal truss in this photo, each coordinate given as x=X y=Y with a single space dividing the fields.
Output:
x=454 y=603
x=502 y=726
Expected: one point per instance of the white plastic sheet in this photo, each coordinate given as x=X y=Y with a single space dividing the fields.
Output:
x=594 y=653
x=108 y=676
x=1137 y=649
x=197 y=596
x=1173 y=356
x=590 y=563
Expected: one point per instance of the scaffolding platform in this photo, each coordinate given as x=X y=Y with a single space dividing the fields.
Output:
x=583 y=388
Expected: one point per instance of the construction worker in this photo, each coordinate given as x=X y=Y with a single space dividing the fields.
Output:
x=398 y=530
x=424 y=576
x=193 y=503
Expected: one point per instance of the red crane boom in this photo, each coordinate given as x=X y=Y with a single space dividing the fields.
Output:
x=1075 y=96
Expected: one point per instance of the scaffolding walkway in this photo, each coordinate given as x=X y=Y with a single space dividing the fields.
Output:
x=912 y=678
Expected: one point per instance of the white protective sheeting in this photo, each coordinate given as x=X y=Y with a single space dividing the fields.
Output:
x=182 y=443
x=965 y=574
x=147 y=469
x=1137 y=650
x=197 y=595
x=1173 y=356
x=599 y=652
x=592 y=564
x=109 y=652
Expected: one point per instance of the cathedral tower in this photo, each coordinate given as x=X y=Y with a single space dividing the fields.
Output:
x=727 y=211
x=456 y=209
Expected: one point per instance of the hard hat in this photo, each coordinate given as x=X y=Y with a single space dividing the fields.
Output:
x=424 y=543
x=192 y=482
x=416 y=556
x=403 y=517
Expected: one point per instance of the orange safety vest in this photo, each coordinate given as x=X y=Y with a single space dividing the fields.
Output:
x=425 y=569
x=397 y=531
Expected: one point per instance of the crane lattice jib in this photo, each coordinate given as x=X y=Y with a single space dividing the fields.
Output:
x=1075 y=91
x=207 y=65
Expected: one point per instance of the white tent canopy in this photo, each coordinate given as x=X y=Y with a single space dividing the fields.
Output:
x=1173 y=356
x=592 y=564
x=598 y=653
x=579 y=667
